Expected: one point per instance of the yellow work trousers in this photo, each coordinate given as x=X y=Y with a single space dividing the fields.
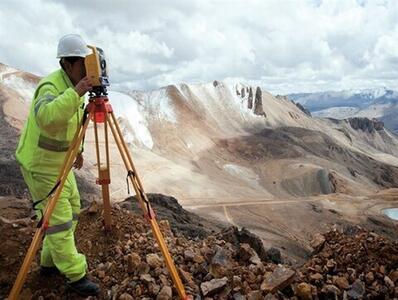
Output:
x=59 y=248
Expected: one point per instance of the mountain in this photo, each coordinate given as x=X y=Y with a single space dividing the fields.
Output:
x=380 y=103
x=234 y=153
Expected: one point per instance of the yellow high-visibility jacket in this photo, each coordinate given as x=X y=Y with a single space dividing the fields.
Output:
x=55 y=114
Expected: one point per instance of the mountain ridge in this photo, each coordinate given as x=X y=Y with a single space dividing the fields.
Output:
x=380 y=103
x=235 y=153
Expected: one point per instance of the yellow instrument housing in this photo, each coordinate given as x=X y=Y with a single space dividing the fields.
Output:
x=96 y=69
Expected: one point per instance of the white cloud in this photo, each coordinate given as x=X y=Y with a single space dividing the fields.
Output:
x=282 y=45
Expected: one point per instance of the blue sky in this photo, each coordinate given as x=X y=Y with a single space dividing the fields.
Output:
x=282 y=45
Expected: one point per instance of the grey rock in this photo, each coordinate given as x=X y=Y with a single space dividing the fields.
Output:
x=303 y=109
x=238 y=296
x=366 y=124
x=165 y=293
x=357 y=290
x=274 y=255
x=250 y=99
x=258 y=103
x=213 y=286
x=280 y=278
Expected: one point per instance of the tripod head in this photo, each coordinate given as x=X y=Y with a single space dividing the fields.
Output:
x=96 y=70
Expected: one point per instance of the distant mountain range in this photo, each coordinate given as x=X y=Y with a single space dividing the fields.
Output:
x=380 y=103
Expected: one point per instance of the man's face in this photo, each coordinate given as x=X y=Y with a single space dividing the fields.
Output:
x=76 y=71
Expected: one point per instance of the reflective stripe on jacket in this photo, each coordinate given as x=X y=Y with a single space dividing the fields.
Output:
x=54 y=116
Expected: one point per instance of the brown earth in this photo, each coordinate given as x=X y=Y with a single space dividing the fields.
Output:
x=127 y=262
x=296 y=142
x=353 y=264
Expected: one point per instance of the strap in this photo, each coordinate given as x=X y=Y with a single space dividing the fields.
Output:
x=35 y=203
x=150 y=214
x=85 y=115
x=129 y=173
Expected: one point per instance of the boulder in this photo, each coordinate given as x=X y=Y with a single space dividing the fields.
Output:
x=213 y=286
x=279 y=278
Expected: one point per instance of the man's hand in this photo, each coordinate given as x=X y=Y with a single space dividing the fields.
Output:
x=83 y=86
x=78 y=164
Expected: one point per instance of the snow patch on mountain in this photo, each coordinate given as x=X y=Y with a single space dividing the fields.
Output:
x=11 y=78
x=4 y=70
x=371 y=93
x=25 y=89
x=128 y=108
x=157 y=103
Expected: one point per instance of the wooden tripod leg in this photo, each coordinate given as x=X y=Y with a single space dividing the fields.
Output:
x=144 y=203
x=104 y=177
x=106 y=181
x=52 y=201
x=103 y=174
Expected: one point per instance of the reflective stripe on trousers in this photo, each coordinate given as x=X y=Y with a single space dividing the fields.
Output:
x=62 y=227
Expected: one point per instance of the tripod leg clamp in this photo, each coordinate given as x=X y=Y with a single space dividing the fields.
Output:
x=150 y=215
x=102 y=181
x=44 y=226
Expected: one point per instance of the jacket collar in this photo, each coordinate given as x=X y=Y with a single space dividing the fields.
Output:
x=66 y=79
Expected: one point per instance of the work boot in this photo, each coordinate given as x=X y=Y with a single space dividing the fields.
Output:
x=49 y=271
x=84 y=287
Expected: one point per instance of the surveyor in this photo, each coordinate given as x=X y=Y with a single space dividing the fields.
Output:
x=55 y=115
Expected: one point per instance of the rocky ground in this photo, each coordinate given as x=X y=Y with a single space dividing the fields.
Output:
x=213 y=262
x=352 y=264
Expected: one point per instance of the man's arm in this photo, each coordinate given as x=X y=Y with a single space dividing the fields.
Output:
x=53 y=111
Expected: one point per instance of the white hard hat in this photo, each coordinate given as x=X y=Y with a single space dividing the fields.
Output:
x=72 y=45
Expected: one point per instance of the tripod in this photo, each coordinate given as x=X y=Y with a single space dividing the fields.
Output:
x=98 y=110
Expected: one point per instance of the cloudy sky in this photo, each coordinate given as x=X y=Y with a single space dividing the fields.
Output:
x=283 y=45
